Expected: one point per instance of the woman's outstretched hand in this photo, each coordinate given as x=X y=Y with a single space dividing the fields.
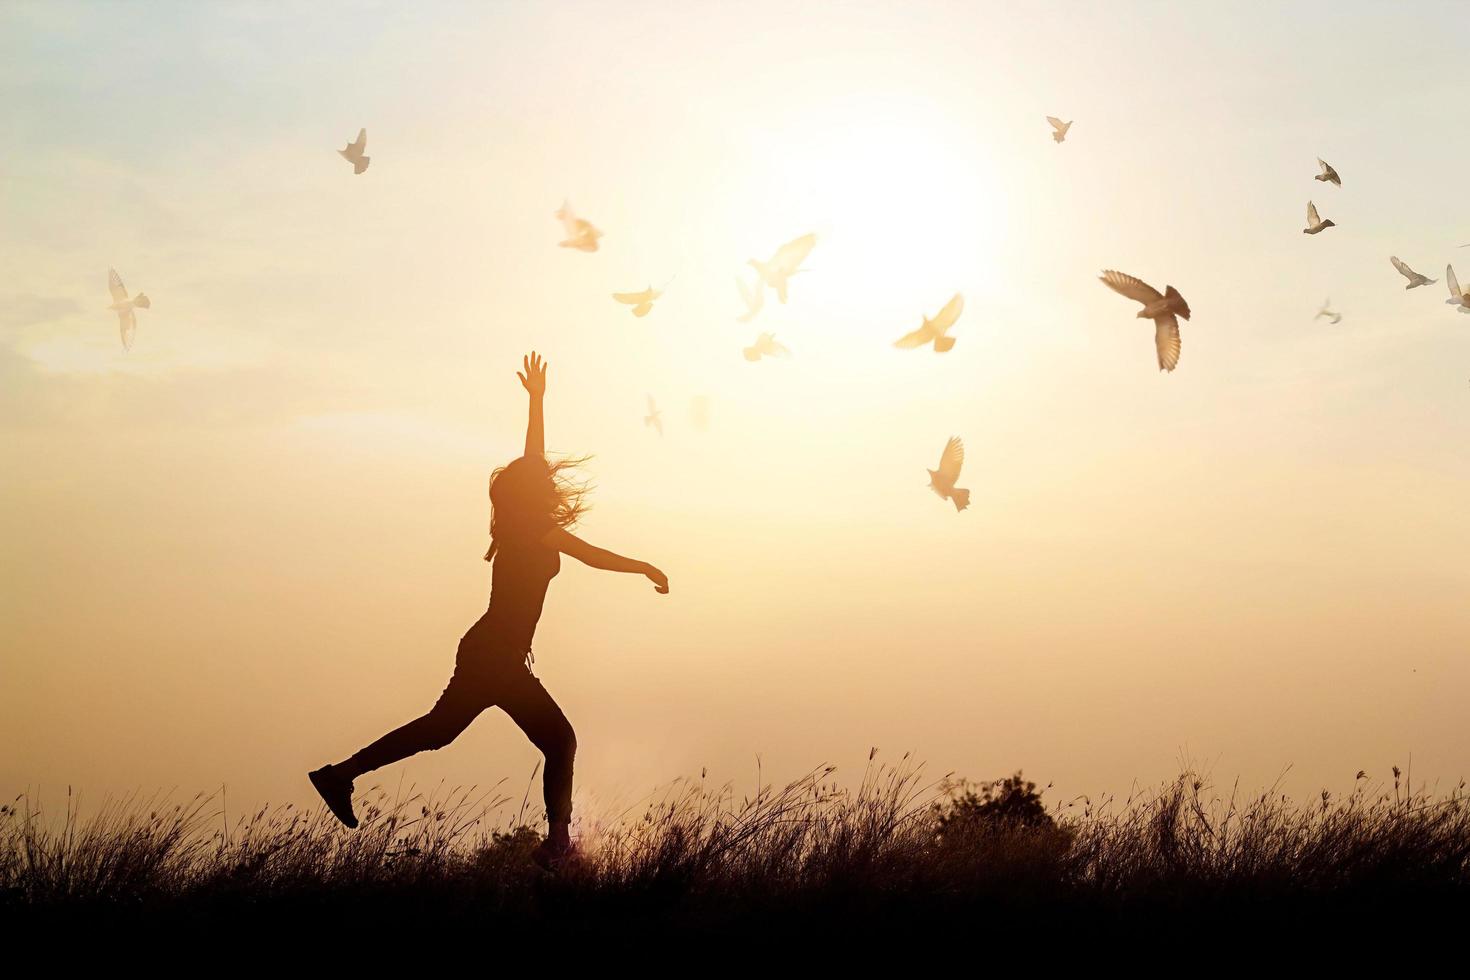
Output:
x=533 y=374
x=659 y=579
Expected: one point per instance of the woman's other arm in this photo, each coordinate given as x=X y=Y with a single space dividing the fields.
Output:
x=569 y=544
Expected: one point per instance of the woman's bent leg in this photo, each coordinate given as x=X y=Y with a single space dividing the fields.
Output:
x=532 y=708
x=434 y=730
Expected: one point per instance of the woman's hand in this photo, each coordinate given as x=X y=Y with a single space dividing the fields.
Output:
x=533 y=375
x=659 y=579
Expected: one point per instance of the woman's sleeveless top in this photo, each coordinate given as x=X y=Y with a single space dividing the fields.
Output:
x=522 y=570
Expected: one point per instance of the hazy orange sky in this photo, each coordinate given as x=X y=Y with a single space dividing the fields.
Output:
x=250 y=544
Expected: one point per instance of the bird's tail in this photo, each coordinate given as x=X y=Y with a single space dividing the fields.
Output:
x=1176 y=302
x=961 y=498
x=942 y=344
x=142 y=302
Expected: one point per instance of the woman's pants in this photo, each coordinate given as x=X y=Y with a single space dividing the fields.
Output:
x=484 y=676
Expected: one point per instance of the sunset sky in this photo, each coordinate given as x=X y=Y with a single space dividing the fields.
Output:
x=250 y=544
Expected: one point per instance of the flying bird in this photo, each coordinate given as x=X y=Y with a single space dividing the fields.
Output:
x=641 y=302
x=934 y=330
x=1415 y=279
x=127 y=322
x=941 y=481
x=1161 y=308
x=1328 y=173
x=352 y=153
x=1328 y=312
x=580 y=233
x=1315 y=222
x=765 y=345
x=1458 y=296
x=655 y=418
x=1060 y=127
x=754 y=297
x=785 y=263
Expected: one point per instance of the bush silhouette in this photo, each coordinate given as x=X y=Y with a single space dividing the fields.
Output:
x=1009 y=804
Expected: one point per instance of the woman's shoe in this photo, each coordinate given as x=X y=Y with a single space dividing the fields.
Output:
x=336 y=793
x=552 y=856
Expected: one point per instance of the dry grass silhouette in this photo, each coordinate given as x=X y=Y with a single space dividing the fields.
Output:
x=920 y=854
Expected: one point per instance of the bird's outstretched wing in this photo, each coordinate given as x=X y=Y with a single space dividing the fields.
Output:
x=652 y=408
x=917 y=338
x=790 y=256
x=359 y=144
x=126 y=324
x=633 y=299
x=1166 y=339
x=952 y=459
x=1057 y=124
x=115 y=286
x=1402 y=266
x=1131 y=286
x=946 y=317
x=1313 y=220
x=1449 y=274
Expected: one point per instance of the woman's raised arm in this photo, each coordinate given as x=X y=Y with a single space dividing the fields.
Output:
x=533 y=379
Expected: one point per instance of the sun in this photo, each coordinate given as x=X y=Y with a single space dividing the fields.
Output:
x=902 y=195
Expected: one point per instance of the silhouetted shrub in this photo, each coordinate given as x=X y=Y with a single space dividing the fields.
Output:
x=1012 y=803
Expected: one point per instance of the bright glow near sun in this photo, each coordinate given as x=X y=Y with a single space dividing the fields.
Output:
x=904 y=201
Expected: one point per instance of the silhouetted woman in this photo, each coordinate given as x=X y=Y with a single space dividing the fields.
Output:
x=531 y=507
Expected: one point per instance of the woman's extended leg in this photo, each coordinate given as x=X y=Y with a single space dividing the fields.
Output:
x=434 y=730
x=450 y=715
x=538 y=715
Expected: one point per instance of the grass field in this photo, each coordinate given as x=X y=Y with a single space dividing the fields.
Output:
x=897 y=854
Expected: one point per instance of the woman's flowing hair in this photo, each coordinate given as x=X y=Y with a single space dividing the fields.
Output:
x=530 y=490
